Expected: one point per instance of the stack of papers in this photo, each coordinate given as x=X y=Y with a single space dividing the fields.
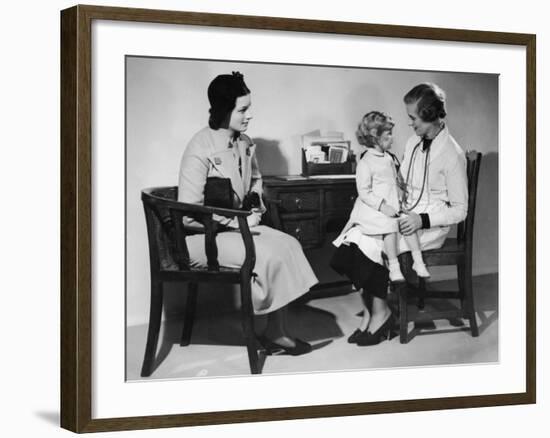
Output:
x=325 y=147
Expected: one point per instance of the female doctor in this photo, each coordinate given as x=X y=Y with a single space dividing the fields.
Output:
x=434 y=173
x=223 y=150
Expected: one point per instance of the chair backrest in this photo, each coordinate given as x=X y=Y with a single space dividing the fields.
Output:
x=465 y=229
x=167 y=246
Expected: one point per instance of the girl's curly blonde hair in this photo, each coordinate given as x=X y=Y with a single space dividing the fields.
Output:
x=377 y=120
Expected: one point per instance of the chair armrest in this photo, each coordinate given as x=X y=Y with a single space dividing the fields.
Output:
x=211 y=228
x=149 y=196
x=203 y=214
x=228 y=212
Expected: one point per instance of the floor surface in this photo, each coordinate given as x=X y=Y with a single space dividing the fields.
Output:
x=217 y=347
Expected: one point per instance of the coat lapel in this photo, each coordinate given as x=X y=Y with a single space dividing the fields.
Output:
x=224 y=163
x=247 y=152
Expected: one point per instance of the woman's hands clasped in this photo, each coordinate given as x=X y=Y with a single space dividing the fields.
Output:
x=255 y=218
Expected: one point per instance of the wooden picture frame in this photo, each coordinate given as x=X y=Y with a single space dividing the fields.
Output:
x=76 y=217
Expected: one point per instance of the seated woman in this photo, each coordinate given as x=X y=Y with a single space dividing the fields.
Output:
x=223 y=150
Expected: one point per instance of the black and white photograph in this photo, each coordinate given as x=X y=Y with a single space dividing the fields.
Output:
x=296 y=218
x=267 y=219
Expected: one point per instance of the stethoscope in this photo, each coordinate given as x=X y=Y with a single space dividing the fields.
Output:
x=405 y=184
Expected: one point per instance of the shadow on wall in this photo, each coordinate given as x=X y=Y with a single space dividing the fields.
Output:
x=270 y=157
x=485 y=251
x=486 y=221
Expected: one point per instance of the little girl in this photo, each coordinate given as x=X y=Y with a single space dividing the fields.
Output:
x=381 y=189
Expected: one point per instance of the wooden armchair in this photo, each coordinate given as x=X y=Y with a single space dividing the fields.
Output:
x=455 y=251
x=169 y=261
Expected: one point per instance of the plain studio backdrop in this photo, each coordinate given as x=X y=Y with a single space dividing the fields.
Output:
x=30 y=219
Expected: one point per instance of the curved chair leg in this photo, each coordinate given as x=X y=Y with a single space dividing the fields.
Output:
x=469 y=300
x=155 y=314
x=247 y=313
x=189 y=318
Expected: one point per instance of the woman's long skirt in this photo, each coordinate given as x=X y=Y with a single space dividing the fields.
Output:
x=282 y=270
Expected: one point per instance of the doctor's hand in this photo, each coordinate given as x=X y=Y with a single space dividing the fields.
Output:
x=410 y=223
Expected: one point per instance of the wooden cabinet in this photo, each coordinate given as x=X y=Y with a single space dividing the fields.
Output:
x=299 y=201
x=307 y=231
x=308 y=208
x=340 y=198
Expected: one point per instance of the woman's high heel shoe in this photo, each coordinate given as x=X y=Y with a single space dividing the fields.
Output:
x=353 y=337
x=271 y=347
x=384 y=332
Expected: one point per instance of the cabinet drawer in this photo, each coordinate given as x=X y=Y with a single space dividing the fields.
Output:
x=340 y=199
x=305 y=230
x=299 y=201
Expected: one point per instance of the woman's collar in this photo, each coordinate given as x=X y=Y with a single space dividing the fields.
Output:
x=441 y=135
x=223 y=138
x=441 y=131
x=439 y=142
x=223 y=133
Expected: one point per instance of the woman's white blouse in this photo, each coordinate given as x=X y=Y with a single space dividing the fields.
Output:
x=445 y=196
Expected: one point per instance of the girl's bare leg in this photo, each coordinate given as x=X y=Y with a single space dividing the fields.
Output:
x=413 y=243
x=390 y=247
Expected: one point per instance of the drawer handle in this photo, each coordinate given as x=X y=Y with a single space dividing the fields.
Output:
x=298 y=233
x=298 y=202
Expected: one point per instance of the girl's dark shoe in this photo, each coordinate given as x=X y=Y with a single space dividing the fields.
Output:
x=271 y=347
x=384 y=332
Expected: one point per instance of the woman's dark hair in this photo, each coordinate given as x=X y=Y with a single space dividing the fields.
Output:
x=223 y=91
x=430 y=101
x=374 y=119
